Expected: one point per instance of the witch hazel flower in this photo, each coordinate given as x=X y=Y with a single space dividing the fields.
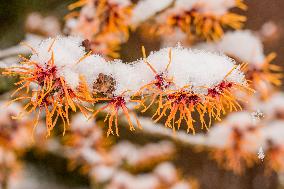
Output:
x=239 y=141
x=272 y=137
x=205 y=19
x=272 y=107
x=64 y=76
x=51 y=77
x=109 y=15
x=114 y=105
x=180 y=80
x=235 y=141
x=158 y=87
x=187 y=90
x=244 y=46
x=104 y=23
x=14 y=134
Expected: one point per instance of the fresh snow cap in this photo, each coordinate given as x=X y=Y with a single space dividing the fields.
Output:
x=67 y=52
x=195 y=68
x=243 y=45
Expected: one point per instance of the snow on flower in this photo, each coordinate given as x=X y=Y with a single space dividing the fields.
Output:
x=235 y=141
x=55 y=84
x=105 y=24
x=190 y=80
x=14 y=134
x=272 y=107
x=64 y=76
x=205 y=19
x=273 y=145
x=246 y=47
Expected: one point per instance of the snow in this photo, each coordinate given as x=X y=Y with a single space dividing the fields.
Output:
x=217 y=7
x=123 y=3
x=145 y=9
x=103 y=173
x=206 y=7
x=80 y=123
x=91 y=156
x=166 y=172
x=241 y=44
x=91 y=66
x=244 y=45
x=219 y=135
x=198 y=69
x=181 y=185
x=274 y=131
x=273 y=105
x=67 y=52
x=193 y=67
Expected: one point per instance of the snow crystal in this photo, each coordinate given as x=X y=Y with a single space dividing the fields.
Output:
x=256 y=116
x=261 y=154
x=215 y=7
x=185 y=4
x=125 y=77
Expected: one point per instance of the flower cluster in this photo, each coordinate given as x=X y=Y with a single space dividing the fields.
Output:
x=246 y=47
x=243 y=141
x=202 y=19
x=235 y=142
x=64 y=76
x=14 y=134
x=106 y=24
x=14 y=141
x=49 y=74
x=236 y=149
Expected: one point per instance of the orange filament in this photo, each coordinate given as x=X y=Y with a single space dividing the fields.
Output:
x=185 y=103
x=206 y=26
x=158 y=87
x=52 y=95
x=113 y=106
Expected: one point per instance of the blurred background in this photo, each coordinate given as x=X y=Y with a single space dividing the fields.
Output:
x=42 y=169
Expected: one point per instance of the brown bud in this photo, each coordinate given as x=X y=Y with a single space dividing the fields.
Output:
x=104 y=84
